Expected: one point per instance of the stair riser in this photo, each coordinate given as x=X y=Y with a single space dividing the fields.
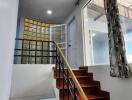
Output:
x=76 y=72
x=80 y=80
x=56 y=75
x=106 y=97
x=91 y=90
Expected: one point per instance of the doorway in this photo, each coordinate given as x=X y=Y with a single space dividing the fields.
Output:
x=72 y=54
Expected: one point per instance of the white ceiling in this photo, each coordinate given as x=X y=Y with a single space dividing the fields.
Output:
x=37 y=9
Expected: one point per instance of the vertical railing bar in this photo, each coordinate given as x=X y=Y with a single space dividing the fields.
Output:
x=56 y=65
x=48 y=59
x=68 y=83
x=53 y=54
x=42 y=53
x=63 y=78
x=22 y=53
x=56 y=58
x=29 y=53
x=59 y=69
x=74 y=89
x=36 y=52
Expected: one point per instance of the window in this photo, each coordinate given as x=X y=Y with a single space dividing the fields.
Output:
x=96 y=35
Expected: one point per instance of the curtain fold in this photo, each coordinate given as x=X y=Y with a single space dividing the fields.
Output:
x=118 y=63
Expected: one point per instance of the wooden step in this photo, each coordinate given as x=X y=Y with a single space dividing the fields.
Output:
x=91 y=87
x=56 y=75
x=98 y=96
x=81 y=79
x=83 y=85
x=84 y=67
x=102 y=95
x=77 y=72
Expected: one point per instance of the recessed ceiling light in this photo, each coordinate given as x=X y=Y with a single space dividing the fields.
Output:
x=49 y=12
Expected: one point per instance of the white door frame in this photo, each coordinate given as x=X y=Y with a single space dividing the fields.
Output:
x=83 y=33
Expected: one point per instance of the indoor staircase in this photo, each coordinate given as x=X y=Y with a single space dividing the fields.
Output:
x=68 y=84
x=90 y=87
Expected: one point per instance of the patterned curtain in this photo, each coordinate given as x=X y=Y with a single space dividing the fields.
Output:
x=118 y=62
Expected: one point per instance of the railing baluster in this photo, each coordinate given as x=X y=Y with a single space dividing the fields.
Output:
x=74 y=88
x=36 y=52
x=59 y=70
x=56 y=65
x=48 y=59
x=42 y=53
x=63 y=79
x=29 y=53
x=56 y=58
x=22 y=52
x=53 y=55
x=68 y=84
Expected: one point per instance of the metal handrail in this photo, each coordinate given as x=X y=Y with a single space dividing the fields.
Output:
x=79 y=88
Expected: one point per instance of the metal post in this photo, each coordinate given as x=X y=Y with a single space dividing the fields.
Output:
x=29 y=53
x=68 y=84
x=22 y=53
x=48 y=59
x=74 y=88
x=42 y=53
x=63 y=79
x=36 y=52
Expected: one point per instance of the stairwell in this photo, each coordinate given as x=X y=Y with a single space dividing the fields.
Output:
x=70 y=84
x=90 y=86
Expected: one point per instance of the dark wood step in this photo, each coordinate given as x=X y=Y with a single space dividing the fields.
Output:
x=91 y=87
x=83 y=85
x=81 y=79
x=77 y=75
x=76 y=72
x=98 y=96
x=84 y=67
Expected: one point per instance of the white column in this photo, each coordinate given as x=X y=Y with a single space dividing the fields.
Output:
x=8 y=22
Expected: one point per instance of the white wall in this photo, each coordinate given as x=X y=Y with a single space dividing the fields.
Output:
x=79 y=44
x=8 y=20
x=32 y=82
x=120 y=89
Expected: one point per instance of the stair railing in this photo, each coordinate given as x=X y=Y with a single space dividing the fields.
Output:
x=37 y=52
x=66 y=76
x=28 y=51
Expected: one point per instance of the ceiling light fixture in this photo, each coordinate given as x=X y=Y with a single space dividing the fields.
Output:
x=49 y=12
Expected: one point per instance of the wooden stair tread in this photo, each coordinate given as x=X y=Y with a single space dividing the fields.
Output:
x=91 y=87
x=99 y=95
x=83 y=85
x=89 y=96
x=76 y=77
